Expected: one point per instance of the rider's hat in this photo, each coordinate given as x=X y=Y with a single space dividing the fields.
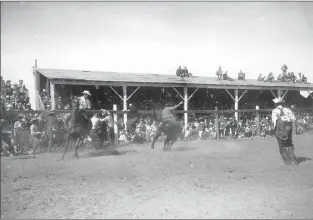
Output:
x=86 y=93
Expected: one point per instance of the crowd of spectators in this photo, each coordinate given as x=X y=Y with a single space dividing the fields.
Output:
x=16 y=133
x=14 y=96
x=284 y=76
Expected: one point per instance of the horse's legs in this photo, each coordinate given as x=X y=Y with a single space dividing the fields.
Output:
x=166 y=144
x=35 y=146
x=157 y=135
x=51 y=143
x=171 y=144
x=66 y=146
x=78 y=143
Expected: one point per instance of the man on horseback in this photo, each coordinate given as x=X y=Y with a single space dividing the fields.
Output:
x=84 y=103
x=77 y=123
x=168 y=126
x=167 y=114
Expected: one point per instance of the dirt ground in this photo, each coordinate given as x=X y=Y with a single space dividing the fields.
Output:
x=201 y=179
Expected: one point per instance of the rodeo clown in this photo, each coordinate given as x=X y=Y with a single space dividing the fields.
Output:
x=282 y=118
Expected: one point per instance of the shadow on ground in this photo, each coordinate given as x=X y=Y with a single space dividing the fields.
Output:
x=105 y=153
x=184 y=148
x=302 y=159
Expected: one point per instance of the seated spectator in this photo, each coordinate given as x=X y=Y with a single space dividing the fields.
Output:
x=241 y=75
x=179 y=71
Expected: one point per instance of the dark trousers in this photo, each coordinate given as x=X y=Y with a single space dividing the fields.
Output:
x=286 y=148
x=111 y=136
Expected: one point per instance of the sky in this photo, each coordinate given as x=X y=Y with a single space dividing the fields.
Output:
x=156 y=37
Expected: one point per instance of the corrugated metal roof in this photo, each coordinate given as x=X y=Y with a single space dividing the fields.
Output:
x=159 y=79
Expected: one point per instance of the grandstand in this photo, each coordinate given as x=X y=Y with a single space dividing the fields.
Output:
x=50 y=78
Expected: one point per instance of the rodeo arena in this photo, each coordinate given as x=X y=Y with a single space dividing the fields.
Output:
x=128 y=145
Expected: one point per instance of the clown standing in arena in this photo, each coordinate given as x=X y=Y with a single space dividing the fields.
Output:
x=282 y=118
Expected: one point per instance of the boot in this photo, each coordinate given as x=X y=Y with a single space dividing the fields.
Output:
x=292 y=156
x=284 y=155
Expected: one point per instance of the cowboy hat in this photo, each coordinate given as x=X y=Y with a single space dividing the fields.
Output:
x=278 y=100
x=86 y=93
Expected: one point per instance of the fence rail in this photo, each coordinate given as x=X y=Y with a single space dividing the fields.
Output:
x=145 y=112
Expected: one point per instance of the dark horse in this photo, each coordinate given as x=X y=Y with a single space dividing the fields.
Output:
x=170 y=128
x=78 y=126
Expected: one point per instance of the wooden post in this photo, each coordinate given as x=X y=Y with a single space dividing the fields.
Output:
x=236 y=103
x=115 y=124
x=279 y=93
x=125 y=106
x=52 y=94
x=258 y=127
x=36 y=86
x=186 y=106
x=48 y=87
x=217 y=124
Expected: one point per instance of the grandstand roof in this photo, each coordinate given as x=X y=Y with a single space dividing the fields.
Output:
x=79 y=77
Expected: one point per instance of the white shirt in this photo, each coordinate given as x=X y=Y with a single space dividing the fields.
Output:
x=84 y=103
x=278 y=111
x=95 y=122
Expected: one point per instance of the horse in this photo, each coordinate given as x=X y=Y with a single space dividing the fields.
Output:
x=170 y=128
x=78 y=126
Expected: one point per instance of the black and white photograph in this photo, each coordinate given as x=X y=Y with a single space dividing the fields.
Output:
x=156 y=110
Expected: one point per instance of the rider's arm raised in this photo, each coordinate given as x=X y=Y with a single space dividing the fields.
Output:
x=176 y=106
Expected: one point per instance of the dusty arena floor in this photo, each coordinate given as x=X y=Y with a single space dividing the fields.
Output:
x=201 y=179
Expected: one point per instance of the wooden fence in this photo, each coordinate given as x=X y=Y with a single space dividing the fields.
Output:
x=11 y=115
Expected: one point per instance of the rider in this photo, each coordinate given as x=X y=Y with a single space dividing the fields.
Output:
x=167 y=114
x=84 y=102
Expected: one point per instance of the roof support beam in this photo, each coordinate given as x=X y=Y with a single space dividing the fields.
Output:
x=284 y=94
x=193 y=93
x=116 y=93
x=133 y=92
x=273 y=94
x=178 y=93
x=243 y=94
x=231 y=96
